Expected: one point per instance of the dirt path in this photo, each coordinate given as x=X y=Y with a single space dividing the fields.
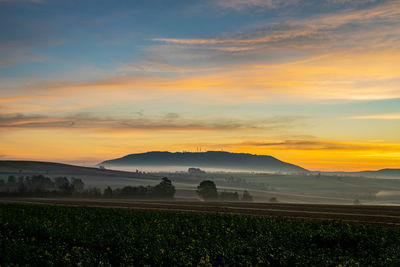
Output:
x=388 y=216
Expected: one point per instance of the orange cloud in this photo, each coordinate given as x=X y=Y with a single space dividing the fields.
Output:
x=24 y=98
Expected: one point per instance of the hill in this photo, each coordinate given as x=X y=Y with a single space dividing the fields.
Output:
x=385 y=173
x=52 y=169
x=209 y=159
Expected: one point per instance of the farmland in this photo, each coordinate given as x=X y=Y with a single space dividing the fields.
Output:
x=52 y=235
x=387 y=216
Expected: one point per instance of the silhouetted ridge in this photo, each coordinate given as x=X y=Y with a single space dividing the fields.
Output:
x=209 y=159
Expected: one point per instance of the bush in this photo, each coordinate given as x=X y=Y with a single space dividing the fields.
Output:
x=273 y=200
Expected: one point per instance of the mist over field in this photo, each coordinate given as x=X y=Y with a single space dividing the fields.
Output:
x=168 y=169
x=302 y=186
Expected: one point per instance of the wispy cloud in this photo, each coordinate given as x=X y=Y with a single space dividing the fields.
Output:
x=308 y=145
x=351 y=75
x=348 y=28
x=241 y=5
x=159 y=64
x=23 y=1
x=8 y=60
x=390 y=116
x=22 y=49
x=18 y=98
x=362 y=149
x=246 y=4
x=348 y=54
x=169 y=121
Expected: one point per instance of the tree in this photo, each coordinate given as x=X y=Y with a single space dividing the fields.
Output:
x=207 y=190
x=140 y=192
x=38 y=183
x=108 y=192
x=63 y=184
x=11 y=180
x=164 y=189
x=246 y=196
x=21 y=186
x=77 y=184
x=91 y=192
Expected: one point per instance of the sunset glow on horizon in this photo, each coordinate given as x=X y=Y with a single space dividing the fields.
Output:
x=313 y=83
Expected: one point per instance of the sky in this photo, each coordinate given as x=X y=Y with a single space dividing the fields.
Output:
x=311 y=82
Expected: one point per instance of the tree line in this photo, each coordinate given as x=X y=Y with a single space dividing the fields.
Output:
x=164 y=190
x=207 y=190
x=41 y=186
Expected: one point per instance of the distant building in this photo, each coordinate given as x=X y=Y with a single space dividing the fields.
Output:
x=195 y=171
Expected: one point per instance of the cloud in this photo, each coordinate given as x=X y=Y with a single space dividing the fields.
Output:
x=23 y=1
x=258 y=64
x=350 y=75
x=390 y=116
x=171 y=116
x=351 y=2
x=370 y=26
x=308 y=145
x=156 y=63
x=14 y=52
x=241 y=5
x=24 y=98
x=169 y=122
x=32 y=121
x=21 y=38
x=246 y=4
x=349 y=54
x=314 y=146
x=8 y=60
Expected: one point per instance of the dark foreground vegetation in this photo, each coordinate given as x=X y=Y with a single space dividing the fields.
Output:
x=45 y=235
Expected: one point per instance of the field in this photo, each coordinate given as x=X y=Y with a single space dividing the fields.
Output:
x=387 y=216
x=311 y=188
x=50 y=235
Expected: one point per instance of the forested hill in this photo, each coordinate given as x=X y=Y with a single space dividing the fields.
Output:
x=209 y=159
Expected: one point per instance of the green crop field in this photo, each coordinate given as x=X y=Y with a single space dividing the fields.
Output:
x=46 y=235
